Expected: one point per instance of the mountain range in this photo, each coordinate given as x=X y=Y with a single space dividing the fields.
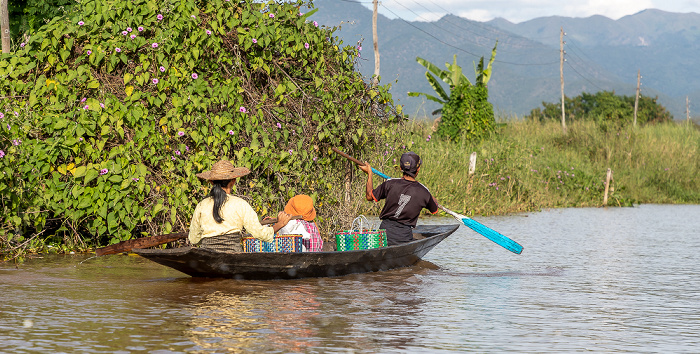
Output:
x=601 y=55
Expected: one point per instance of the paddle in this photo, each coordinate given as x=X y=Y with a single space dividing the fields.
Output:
x=146 y=242
x=491 y=234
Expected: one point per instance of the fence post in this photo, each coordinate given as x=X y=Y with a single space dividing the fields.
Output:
x=607 y=186
x=472 y=163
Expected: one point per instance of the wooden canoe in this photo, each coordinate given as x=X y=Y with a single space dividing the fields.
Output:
x=202 y=262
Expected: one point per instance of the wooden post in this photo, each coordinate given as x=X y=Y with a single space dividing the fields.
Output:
x=5 y=26
x=375 y=39
x=607 y=186
x=687 y=109
x=472 y=163
x=561 y=74
x=636 y=99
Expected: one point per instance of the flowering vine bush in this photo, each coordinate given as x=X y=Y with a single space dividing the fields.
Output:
x=108 y=114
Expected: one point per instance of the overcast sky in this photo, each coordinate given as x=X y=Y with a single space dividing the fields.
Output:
x=523 y=10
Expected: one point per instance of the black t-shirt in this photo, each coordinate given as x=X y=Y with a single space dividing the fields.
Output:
x=404 y=200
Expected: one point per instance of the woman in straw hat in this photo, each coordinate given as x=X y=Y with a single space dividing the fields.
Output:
x=219 y=219
x=306 y=227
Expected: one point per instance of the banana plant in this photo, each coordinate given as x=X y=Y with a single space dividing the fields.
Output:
x=453 y=77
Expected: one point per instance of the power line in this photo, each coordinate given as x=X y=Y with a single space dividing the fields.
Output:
x=583 y=77
x=484 y=28
x=460 y=49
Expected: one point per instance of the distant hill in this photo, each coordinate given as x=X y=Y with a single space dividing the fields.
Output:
x=601 y=53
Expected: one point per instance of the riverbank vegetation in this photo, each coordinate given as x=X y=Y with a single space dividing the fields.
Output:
x=116 y=106
x=529 y=165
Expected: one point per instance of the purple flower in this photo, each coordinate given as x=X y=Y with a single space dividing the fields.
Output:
x=279 y=125
x=301 y=14
x=80 y=23
x=16 y=142
x=181 y=133
x=193 y=16
x=8 y=127
x=306 y=45
x=140 y=29
x=315 y=23
x=89 y=52
x=154 y=45
x=242 y=109
x=162 y=69
x=208 y=32
x=155 y=81
x=124 y=33
x=187 y=148
x=177 y=152
x=117 y=49
x=80 y=139
x=16 y=113
x=159 y=17
x=172 y=158
x=104 y=171
x=359 y=47
x=2 y=154
x=22 y=44
x=291 y=151
x=135 y=179
x=315 y=158
x=230 y=132
x=272 y=15
x=86 y=107
x=133 y=36
x=83 y=100
x=102 y=105
x=255 y=40
x=128 y=29
x=195 y=76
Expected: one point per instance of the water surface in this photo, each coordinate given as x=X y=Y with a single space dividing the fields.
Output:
x=593 y=279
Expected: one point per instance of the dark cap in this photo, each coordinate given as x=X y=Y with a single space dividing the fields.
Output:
x=410 y=162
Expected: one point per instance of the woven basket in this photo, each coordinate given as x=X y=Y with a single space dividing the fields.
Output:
x=283 y=243
x=362 y=236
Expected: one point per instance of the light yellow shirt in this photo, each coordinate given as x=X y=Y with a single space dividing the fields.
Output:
x=237 y=214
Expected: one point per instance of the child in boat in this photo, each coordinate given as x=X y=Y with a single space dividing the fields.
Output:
x=306 y=227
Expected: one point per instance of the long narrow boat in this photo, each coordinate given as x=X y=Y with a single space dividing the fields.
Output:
x=202 y=262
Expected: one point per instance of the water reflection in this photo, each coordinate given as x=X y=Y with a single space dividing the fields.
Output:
x=260 y=319
x=600 y=280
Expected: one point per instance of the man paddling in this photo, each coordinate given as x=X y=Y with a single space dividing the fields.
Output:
x=405 y=198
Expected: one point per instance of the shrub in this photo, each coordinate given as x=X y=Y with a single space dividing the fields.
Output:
x=115 y=108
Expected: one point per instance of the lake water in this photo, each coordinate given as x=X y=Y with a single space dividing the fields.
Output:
x=593 y=279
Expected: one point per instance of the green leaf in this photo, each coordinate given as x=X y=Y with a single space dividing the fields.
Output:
x=80 y=171
x=90 y=175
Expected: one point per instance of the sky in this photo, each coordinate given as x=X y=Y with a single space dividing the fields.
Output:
x=522 y=10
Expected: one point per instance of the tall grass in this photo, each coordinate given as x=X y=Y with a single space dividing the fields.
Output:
x=531 y=166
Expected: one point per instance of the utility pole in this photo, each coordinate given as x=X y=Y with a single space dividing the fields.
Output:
x=5 y=26
x=561 y=74
x=375 y=81
x=636 y=99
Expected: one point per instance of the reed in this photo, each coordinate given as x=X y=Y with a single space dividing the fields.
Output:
x=531 y=166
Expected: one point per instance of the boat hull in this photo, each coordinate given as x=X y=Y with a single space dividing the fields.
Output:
x=202 y=262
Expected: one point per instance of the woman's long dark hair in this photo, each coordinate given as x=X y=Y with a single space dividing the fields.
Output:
x=219 y=195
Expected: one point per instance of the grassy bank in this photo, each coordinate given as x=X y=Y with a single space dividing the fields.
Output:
x=532 y=166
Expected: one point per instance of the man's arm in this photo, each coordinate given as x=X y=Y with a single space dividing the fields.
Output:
x=366 y=168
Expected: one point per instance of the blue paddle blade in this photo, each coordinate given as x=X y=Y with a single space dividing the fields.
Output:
x=493 y=235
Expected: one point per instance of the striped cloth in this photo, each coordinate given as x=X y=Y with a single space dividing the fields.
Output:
x=223 y=243
x=315 y=242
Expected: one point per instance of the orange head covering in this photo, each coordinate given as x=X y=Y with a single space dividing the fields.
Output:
x=301 y=205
